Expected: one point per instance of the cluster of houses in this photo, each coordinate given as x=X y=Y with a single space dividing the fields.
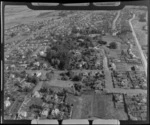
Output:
x=19 y=84
x=118 y=101
x=129 y=80
x=136 y=106
x=47 y=103
x=91 y=80
x=89 y=61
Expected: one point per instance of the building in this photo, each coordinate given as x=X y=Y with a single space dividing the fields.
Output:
x=42 y=53
x=38 y=74
x=36 y=94
x=45 y=112
x=55 y=112
x=23 y=113
x=7 y=103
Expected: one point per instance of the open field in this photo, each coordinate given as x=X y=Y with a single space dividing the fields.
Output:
x=15 y=15
x=98 y=105
x=141 y=35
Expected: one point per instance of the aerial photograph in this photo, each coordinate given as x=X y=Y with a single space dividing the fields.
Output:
x=75 y=64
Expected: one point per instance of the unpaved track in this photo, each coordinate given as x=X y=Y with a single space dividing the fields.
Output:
x=139 y=46
x=114 y=22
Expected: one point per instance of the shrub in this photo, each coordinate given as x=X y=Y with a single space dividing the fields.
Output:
x=49 y=76
x=32 y=79
x=113 y=45
x=26 y=89
x=142 y=17
x=12 y=34
x=102 y=42
x=76 y=78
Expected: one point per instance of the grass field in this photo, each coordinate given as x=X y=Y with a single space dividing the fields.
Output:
x=95 y=105
x=15 y=15
x=140 y=33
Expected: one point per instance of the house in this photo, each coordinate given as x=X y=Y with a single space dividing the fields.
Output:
x=114 y=33
x=49 y=97
x=55 y=112
x=38 y=74
x=56 y=98
x=144 y=85
x=36 y=94
x=45 y=112
x=113 y=66
x=144 y=100
x=124 y=82
x=45 y=65
x=27 y=84
x=37 y=63
x=12 y=76
x=23 y=113
x=7 y=103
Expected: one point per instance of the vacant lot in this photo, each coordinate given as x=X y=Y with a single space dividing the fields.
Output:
x=140 y=33
x=95 y=105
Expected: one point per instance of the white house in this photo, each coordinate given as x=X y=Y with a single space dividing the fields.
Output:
x=23 y=113
x=7 y=103
x=36 y=94
x=55 y=112
x=45 y=112
x=38 y=74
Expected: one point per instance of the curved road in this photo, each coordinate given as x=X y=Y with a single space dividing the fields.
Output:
x=139 y=46
x=114 y=22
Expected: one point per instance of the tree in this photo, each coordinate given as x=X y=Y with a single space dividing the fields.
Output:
x=113 y=45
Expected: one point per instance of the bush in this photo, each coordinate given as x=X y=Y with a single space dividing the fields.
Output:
x=49 y=75
x=113 y=45
x=26 y=89
x=102 y=42
x=76 y=78
x=142 y=17
x=12 y=34
x=32 y=79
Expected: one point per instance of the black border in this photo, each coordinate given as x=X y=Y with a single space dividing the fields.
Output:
x=61 y=7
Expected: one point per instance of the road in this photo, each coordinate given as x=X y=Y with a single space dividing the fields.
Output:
x=114 y=22
x=126 y=91
x=139 y=46
x=108 y=79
